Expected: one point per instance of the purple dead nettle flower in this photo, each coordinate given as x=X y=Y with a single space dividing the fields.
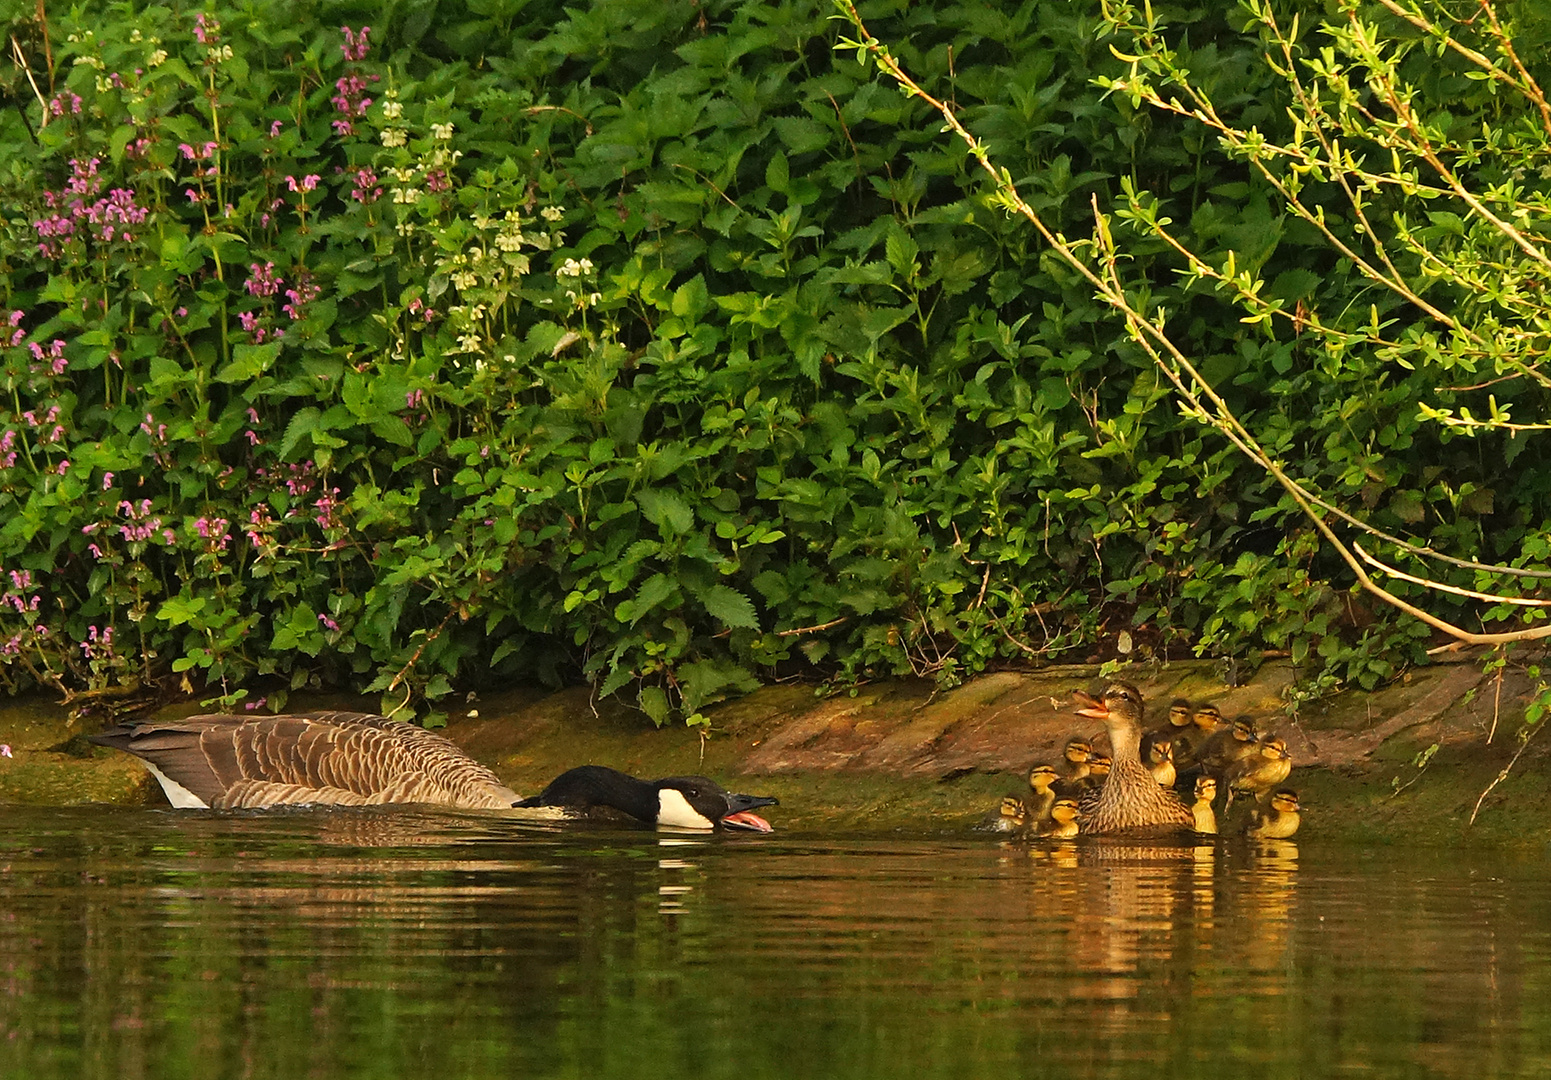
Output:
x=107 y=481
x=157 y=433
x=213 y=530
x=326 y=507
x=141 y=526
x=17 y=334
x=275 y=128
x=5 y=750
x=95 y=641
x=414 y=399
x=306 y=183
x=258 y=704
x=59 y=105
x=328 y=622
x=300 y=296
x=366 y=190
x=262 y=280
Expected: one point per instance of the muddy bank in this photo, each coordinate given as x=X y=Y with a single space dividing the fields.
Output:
x=901 y=755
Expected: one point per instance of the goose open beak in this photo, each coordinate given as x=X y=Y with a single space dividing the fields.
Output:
x=745 y=819
x=739 y=817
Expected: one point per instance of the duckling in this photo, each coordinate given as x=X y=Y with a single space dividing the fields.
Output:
x=1276 y=819
x=1130 y=800
x=1098 y=771
x=1206 y=820
x=1160 y=762
x=1230 y=744
x=1063 y=819
x=1205 y=721
x=1040 y=796
x=1259 y=772
x=1175 y=724
x=1073 y=767
x=1010 y=817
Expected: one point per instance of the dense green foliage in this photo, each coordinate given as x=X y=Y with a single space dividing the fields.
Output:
x=654 y=344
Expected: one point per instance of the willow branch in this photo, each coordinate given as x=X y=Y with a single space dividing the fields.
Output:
x=1157 y=343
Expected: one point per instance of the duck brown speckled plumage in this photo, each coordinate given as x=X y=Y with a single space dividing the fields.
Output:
x=1130 y=800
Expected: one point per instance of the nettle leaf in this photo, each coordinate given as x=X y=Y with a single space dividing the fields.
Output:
x=666 y=509
x=705 y=681
x=728 y=606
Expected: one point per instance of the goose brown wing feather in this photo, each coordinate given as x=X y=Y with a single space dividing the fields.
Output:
x=336 y=758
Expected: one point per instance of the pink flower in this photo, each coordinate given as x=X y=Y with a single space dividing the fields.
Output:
x=328 y=622
x=356 y=46
x=275 y=128
x=5 y=750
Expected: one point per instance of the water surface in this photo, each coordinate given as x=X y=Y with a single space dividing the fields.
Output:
x=146 y=943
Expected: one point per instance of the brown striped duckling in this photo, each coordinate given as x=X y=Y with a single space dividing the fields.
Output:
x=1160 y=762
x=1230 y=744
x=1041 y=794
x=1260 y=771
x=1277 y=818
x=1205 y=721
x=1011 y=816
x=1206 y=819
x=1073 y=768
x=1064 y=816
x=1098 y=770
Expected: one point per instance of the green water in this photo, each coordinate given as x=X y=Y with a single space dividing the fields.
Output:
x=142 y=943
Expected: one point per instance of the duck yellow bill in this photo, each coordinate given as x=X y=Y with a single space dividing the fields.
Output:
x=745 y=819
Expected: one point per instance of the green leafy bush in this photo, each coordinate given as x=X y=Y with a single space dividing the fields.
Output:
x=648 y=345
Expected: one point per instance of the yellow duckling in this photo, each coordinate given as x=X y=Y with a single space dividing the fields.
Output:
x=1098 y=771
x=1073 y=767
x=1205 y=722
x=1063 y=819
x=1159 y=758
x=1232 y=743
x=1041 y=794
x=1259 y=772
x=1010 y=817
x=1206 y=820
x=1276 y=819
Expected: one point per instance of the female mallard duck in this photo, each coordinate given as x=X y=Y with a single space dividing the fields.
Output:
x=1276 y=819
x=1206 y=820
x=1259 y=772
x=356 y=759
x=1063 y=820
x=1130 y=800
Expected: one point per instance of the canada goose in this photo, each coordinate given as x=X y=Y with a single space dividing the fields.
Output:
x=330 y=758
x=357 y=759
x=1130 y=800
x=684 y=802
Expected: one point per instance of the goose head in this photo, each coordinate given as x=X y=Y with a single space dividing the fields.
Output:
x=694 y=802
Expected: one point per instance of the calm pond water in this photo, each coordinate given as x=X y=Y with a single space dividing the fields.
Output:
x=145 y=943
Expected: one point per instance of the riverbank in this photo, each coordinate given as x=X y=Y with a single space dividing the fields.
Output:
x=901 y=755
